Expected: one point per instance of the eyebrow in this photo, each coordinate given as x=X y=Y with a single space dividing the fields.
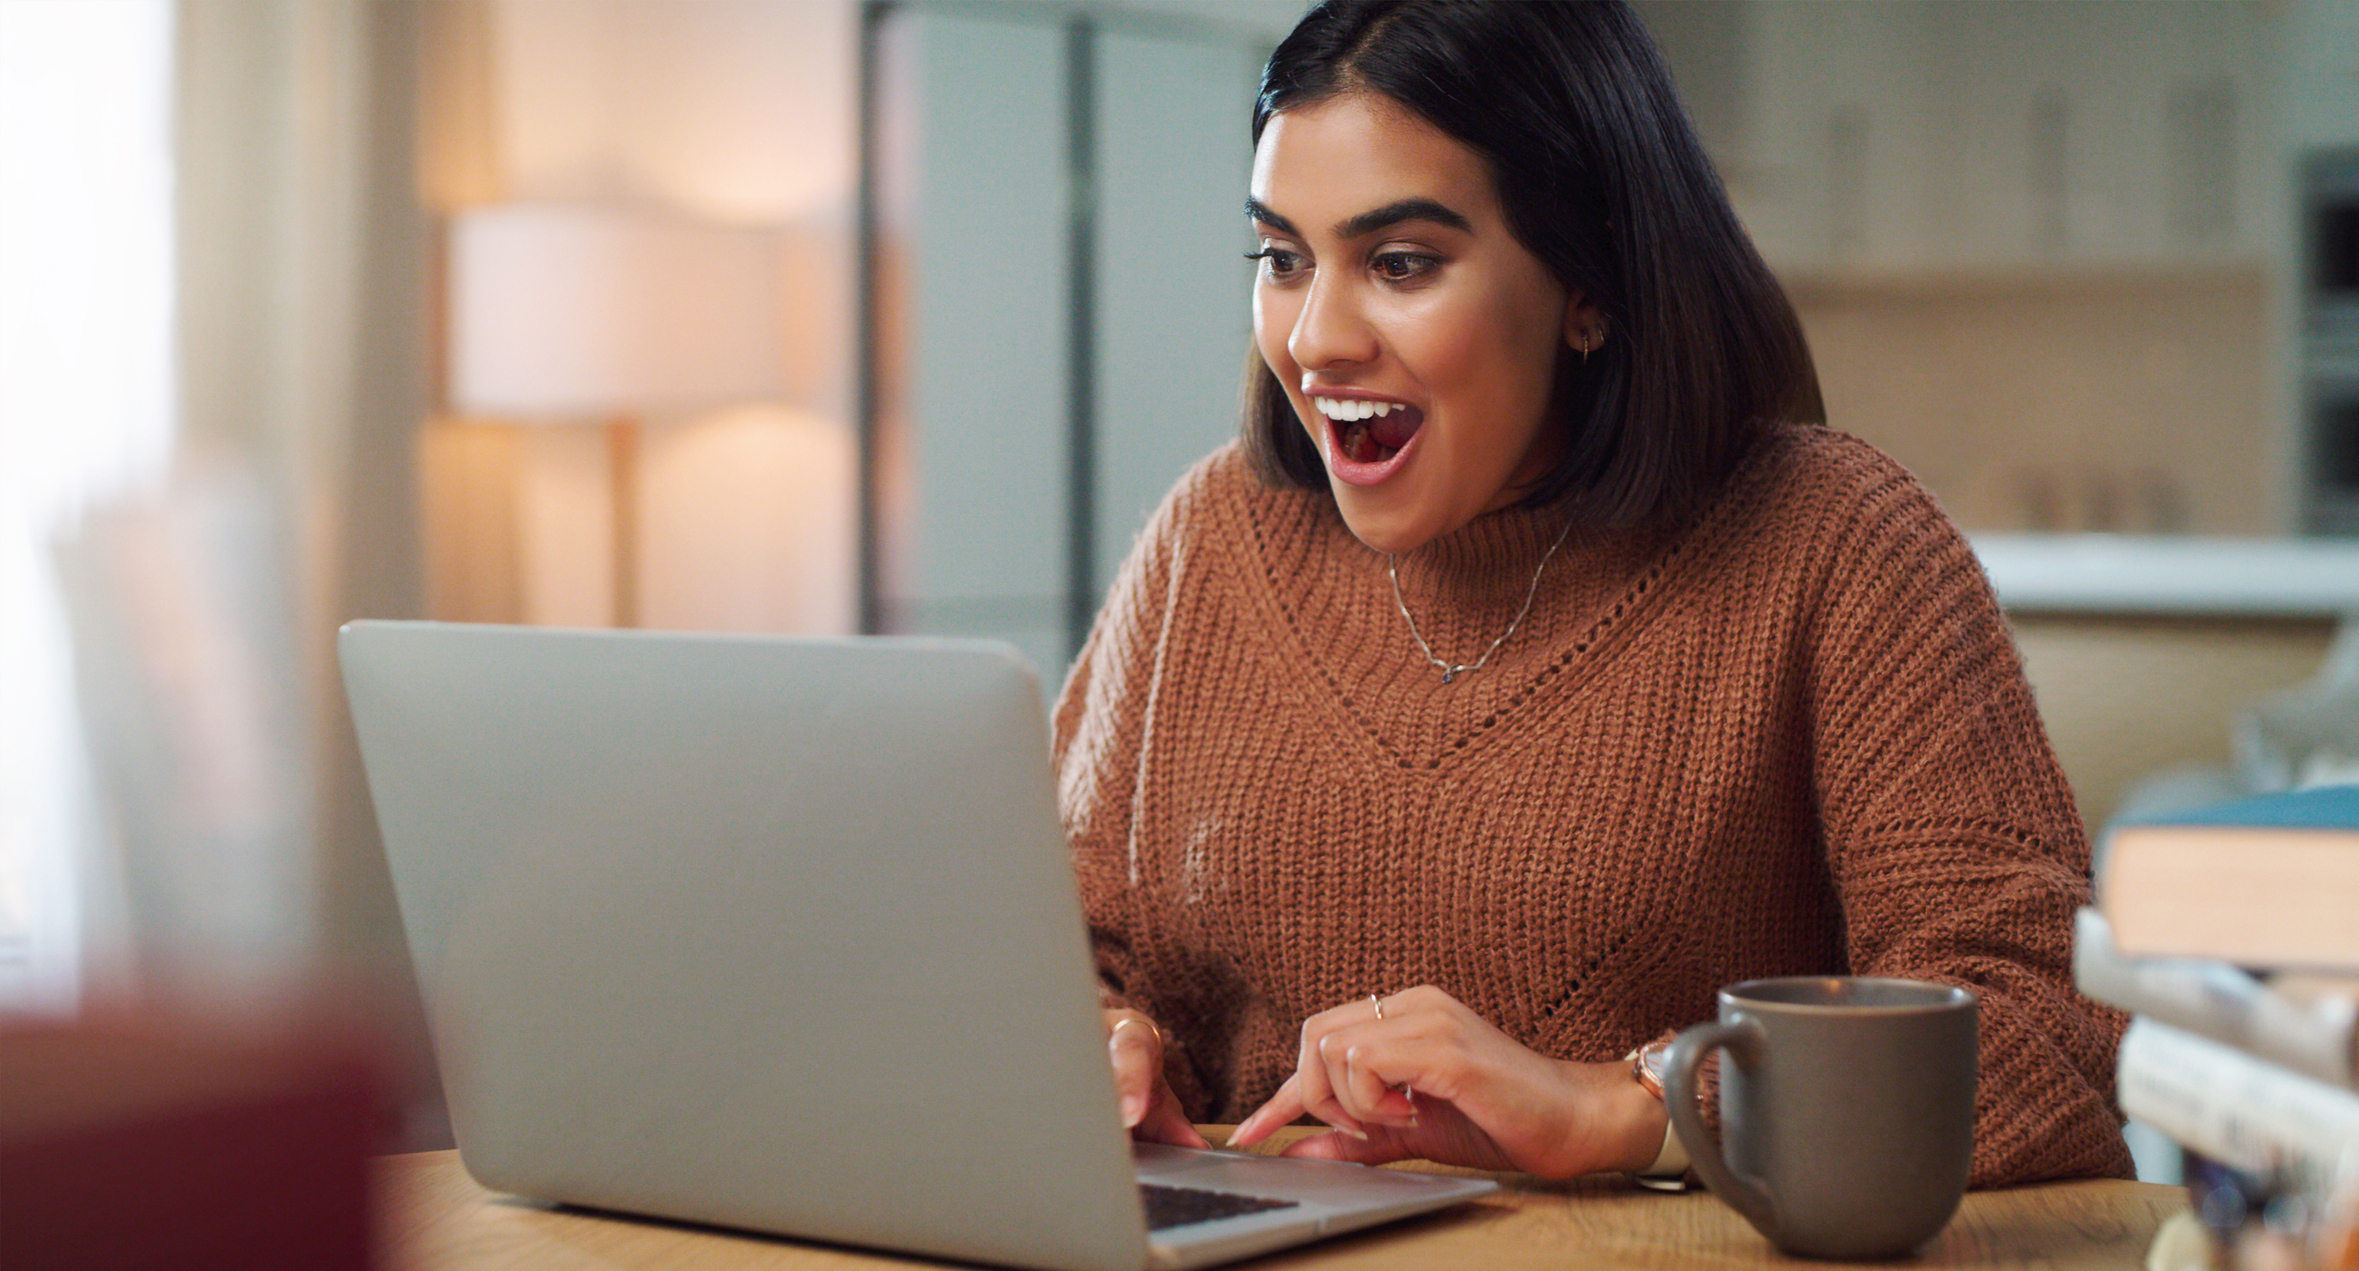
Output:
x=1369 y=222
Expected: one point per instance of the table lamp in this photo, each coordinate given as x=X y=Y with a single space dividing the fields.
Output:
x=582 y=313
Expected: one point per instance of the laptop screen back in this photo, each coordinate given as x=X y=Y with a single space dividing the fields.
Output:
x=766 y=932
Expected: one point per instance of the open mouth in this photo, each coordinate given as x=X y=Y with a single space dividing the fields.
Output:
x=1368 y=432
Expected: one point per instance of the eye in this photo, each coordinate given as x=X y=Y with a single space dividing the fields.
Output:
x=1403 y=266
x=1278 y=262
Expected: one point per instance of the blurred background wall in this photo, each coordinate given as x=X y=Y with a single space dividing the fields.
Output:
x=819 y=316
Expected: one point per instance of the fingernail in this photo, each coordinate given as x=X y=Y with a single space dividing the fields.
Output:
x=1361 y=1135
x=1134 y=1110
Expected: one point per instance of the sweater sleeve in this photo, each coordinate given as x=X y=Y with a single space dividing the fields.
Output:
x=1103 y=719
x=1951 y=835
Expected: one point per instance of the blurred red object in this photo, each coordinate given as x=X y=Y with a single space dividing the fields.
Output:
x=185 y=1146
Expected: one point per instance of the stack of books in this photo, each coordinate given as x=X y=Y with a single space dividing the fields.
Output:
x=2232 y=935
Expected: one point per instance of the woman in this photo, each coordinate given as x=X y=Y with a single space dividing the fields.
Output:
x=1538 y=663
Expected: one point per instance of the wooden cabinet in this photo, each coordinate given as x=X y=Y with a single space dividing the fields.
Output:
x=2037 y=246
x=1988 y=135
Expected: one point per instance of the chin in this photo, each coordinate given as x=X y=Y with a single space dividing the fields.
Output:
x=1392 y=531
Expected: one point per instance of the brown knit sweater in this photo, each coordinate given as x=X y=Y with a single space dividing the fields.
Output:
x=1793 y=738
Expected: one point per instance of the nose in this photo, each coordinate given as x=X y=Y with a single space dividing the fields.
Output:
x=1330 y=330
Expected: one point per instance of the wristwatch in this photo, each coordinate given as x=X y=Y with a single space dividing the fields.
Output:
x=1668 y=1171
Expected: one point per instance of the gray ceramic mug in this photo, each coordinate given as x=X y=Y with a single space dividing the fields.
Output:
x=1846 y=1109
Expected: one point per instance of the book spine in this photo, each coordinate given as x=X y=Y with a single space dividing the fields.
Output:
x=2232 y=1107
x=2318 y=1040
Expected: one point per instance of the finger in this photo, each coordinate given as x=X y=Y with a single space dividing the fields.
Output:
x=1137 y=1055
x=1345 y=1078
x=1281 y=1108
x=1167 y=1122
x=1370 y=1075
x=1315 y=1088
x=1320 y=1097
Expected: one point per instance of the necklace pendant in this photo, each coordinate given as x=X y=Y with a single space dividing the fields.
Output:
x=1449 y=675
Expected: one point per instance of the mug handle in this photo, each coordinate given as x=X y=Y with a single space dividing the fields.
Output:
x=1743 y=1039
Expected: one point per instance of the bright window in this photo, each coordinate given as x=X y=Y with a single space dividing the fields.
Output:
x=87 y=402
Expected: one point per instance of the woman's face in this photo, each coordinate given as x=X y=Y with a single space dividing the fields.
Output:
x=1389 y=283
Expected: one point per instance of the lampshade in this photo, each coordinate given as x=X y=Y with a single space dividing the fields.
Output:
x=570 y=311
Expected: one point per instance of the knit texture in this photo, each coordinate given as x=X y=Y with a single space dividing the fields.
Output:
x=1793 y=738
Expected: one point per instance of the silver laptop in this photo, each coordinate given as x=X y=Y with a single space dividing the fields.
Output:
x=781 y=934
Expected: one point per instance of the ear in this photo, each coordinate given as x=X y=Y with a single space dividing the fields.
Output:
x=1584 y=325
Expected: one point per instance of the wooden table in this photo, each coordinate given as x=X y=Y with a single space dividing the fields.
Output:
x=436 y=1218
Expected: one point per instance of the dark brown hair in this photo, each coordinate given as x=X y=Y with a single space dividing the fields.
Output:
x=1602 y=178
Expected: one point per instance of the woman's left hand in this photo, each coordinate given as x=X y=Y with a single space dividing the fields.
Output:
x=1426 y=1078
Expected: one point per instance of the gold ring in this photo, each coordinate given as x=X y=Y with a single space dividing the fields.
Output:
x=1378 y=1003
x=1143 y=1022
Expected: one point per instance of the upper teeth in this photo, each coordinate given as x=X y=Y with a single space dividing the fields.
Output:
x=1342 y=409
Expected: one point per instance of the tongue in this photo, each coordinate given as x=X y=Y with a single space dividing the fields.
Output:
x=1394 y=430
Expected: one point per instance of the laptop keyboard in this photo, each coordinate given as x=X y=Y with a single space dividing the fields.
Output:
x=1179 y=1206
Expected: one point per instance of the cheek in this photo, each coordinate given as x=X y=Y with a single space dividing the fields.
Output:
x=1273 y=322
x=1495 y=355
x=1449 y=346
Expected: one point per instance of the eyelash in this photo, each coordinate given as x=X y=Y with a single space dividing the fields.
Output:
x=1419 y=264
x=1270 y=258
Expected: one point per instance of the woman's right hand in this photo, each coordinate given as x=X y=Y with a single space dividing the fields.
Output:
x=1150 y=1111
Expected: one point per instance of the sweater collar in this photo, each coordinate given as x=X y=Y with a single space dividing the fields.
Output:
x=1492 y=557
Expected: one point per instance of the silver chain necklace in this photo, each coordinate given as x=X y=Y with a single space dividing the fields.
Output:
x=1392 y=569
